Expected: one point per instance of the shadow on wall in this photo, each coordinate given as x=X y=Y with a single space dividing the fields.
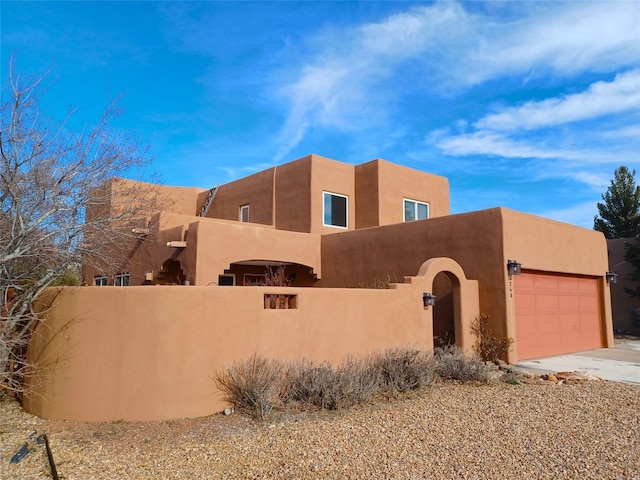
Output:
x=624 y=308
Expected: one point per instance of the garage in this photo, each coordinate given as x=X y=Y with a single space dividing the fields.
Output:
x=556 y=314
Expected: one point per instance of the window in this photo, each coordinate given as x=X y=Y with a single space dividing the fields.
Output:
x=335 y=208
x=244 y=213
x=100 y=281
x=414 y=210
x=227 y=280
x=121 y=280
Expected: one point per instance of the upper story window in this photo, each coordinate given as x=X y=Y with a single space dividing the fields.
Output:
x=244 y=213
x=414 y=210
x=122 y=280
x=335 y=210
x=100 y=281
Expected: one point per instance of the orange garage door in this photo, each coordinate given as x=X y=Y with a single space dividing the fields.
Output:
x=556 y=314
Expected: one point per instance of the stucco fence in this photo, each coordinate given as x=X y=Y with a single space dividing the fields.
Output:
x=151 y=352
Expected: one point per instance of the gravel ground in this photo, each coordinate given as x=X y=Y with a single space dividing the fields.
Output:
x=447 y=431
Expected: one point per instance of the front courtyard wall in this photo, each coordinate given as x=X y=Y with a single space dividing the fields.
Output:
x=149 y=353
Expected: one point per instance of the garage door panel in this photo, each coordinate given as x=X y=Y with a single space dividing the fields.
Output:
x=568 y=285
x=588 y=286
x=568 y=304
x=547 y=324
x=570 y=342
x=545 y=286
x=570 y=324
x=527 y=326
x=588 y=304
x=556 y=314
x=528 y=344
x=549 y=344
x=591 y=338
x=526 y=305
x=546 y=304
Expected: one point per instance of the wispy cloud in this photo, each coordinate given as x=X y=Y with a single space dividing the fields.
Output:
x=355 y=78
x=600 y=99
x=582 y=116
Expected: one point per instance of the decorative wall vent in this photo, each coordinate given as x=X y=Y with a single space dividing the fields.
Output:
x=279 y=301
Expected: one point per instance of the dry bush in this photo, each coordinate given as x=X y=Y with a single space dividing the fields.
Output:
x=489 y=347
x=332 y=388
x=403 y=369
x=454 y=363
x=255 y=386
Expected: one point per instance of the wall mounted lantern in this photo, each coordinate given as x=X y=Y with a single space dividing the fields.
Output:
x=428 y=299
x=612 y=277
x=514 y=268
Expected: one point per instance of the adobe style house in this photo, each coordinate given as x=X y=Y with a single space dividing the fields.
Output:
x=193 y=296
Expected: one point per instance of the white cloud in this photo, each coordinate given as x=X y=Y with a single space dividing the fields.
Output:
x=601 y=98
x=353 y=77
x=567 y=38
x=496 y=144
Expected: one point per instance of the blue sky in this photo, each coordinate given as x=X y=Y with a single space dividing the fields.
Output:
x=529 y=106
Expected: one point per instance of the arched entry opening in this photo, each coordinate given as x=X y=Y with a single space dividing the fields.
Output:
x=171 y=273
x=444 y=332
x=457 y=299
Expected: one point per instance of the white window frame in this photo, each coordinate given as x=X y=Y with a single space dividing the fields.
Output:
x=346 y=213
x=244 y=208
x=415 y=209
x=100 y=281
x=119 y=280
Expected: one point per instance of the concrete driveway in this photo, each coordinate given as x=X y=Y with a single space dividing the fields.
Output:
x=621 y=363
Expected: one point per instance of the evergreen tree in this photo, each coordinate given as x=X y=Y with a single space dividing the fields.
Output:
x=619 y=215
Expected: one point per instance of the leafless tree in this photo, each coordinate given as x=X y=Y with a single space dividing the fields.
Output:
x=58 y=209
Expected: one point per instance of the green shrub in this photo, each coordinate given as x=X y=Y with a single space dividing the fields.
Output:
x=454 y=363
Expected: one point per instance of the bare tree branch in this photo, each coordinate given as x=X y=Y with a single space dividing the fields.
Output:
x=59 y=209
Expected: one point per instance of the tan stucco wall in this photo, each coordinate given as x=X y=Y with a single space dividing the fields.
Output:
x=216 y=244
x=182 y=200
x=293 y=197
x=255 y=190
x=367 y=195
x=397 y=183
x=334 y=177
x=382 y=186
x=149 y=353
x=290 y=196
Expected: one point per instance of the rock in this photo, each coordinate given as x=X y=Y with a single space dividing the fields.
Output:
x=552 y=378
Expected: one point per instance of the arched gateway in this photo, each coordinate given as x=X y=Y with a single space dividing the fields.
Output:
x=444 y=277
